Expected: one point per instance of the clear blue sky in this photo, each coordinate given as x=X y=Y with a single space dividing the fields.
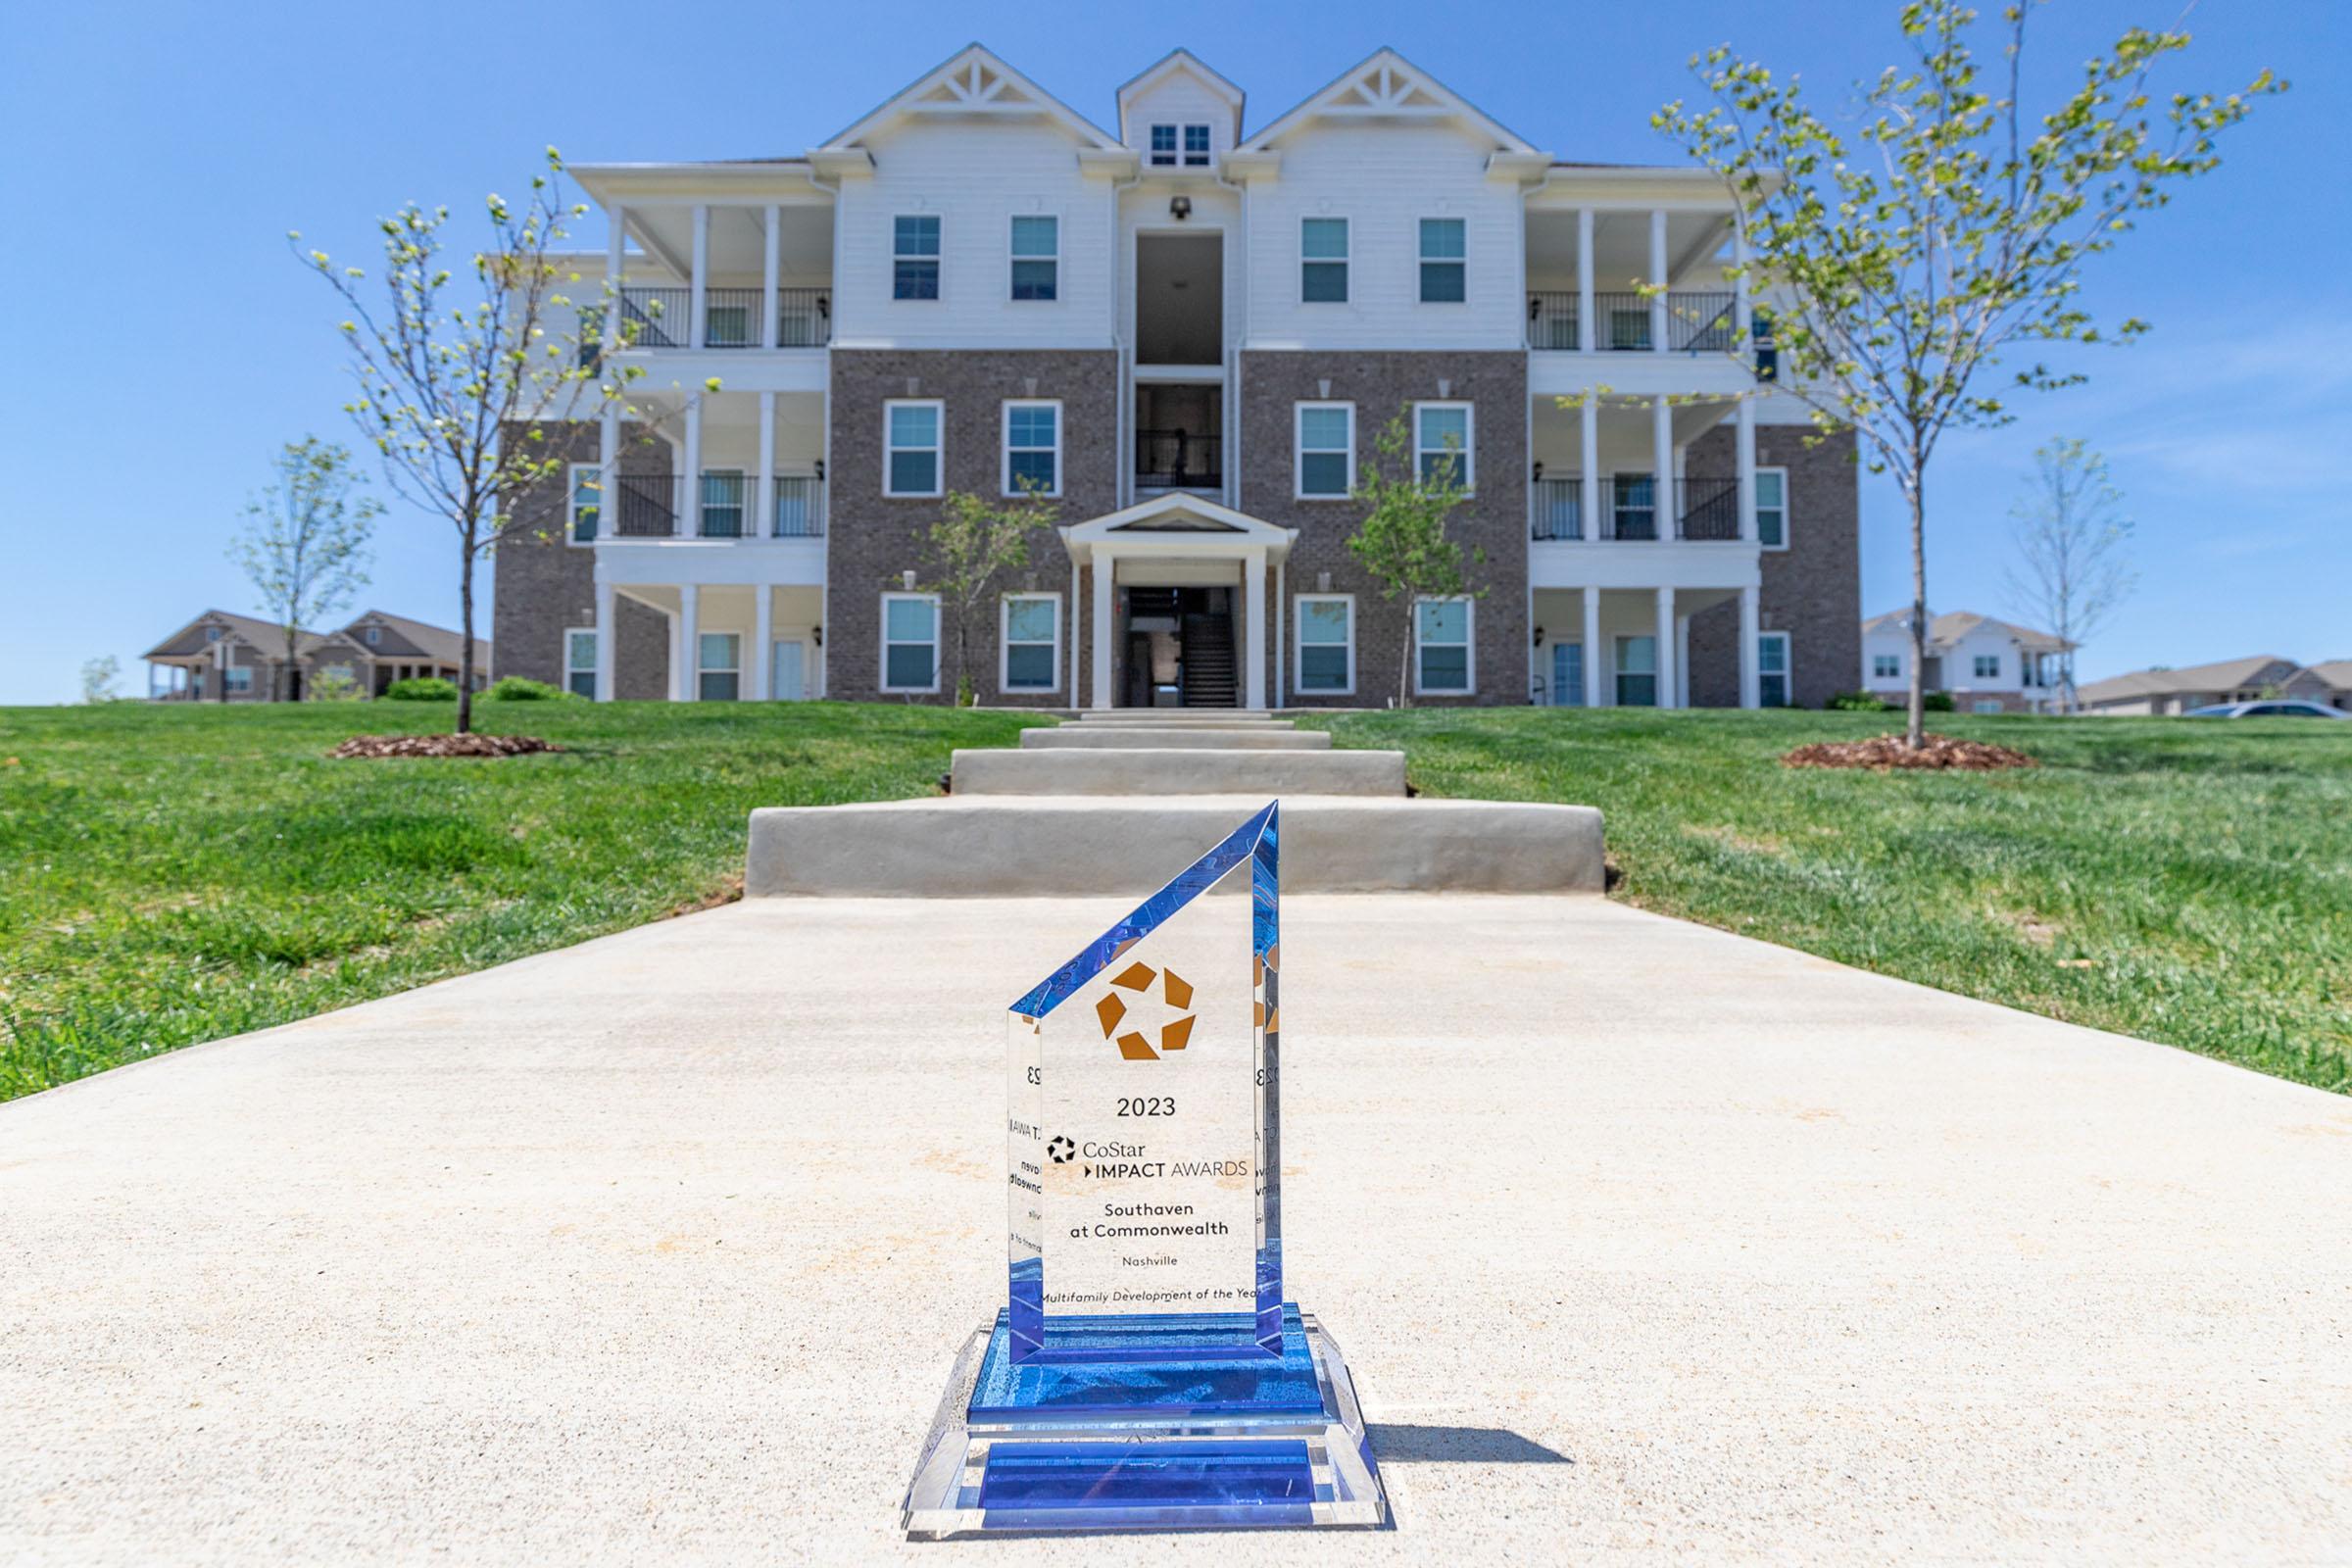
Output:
x=164 y=344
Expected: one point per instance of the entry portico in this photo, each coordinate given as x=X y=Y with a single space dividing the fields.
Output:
x=1178 y=542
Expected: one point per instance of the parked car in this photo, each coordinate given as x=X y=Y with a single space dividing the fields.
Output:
x=2287 y=707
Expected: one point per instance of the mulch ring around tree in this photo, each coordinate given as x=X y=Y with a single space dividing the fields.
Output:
x=442 y=746
x=1882 y=753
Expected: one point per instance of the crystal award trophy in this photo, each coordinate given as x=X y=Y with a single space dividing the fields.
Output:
x=1146 y=1372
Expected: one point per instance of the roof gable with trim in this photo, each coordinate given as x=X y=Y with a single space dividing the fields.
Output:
x=1388 y=87
x=975 y=84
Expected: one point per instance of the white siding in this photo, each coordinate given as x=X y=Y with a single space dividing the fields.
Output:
x=1176 y=99
x=974 y=179
x=1384 y=179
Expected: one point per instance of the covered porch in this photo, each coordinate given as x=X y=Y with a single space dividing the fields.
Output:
x=713 y=641
x=1180 y=614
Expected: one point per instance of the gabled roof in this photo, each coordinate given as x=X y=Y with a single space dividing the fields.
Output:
x=1183 y=62
x=2336 y=672
x=1180 y=525
x=974 y=83
x=2229 y=675
x=251 y=631
x=438 y=644
x=1388 y=87
x=1947 y=629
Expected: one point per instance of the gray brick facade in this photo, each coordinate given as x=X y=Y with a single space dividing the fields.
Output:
x=1493 y=519
x=1811 y=590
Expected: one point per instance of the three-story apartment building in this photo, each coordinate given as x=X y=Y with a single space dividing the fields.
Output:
x=1190 y=338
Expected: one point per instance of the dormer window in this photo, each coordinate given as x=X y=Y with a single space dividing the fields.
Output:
x=373 y=636
x=1163 y=146
x=1167 y=139
x=1195 y=146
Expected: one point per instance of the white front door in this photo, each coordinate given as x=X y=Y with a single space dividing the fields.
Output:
x=786 y=681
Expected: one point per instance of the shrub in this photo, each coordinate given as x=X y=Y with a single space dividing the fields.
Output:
x=334 y=686
x=1936 y=702
x=516 y=689
x=1859 y=703
x=422 y=689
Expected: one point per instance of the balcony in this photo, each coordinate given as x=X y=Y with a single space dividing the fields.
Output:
x=655 y=507
x=661 y=318
x=1622 y=323
x=1172 y=459
x=1705 y=510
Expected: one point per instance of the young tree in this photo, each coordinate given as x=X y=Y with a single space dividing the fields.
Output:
x=2070 y=535
x=456 y=381
x=1903 y=263
x=1402 y=542
x=966 y=550
x=305 y=542
x=98 y=678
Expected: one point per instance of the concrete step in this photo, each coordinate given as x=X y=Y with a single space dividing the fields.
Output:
x=1174 y=770
x=1178 y=715
x=984 y=845
x=1265 y=737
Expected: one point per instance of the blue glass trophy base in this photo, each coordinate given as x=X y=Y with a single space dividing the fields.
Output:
x=1118 y=1445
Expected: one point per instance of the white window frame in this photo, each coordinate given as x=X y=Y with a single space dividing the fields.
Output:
x=1014 y=258
x=571 y=504
x=1468 y=644
x=571 y=637
x=1151 y=157
x=1004 y=447
x=372 y=636
x=938 y=260
x=747 y=505
x=1469 y=454
x=1787 y=669
x=236 y=677
x=701 y=669
x=1896 y=674
x=1208 y=144
x=1659 y=506
x=1783 y=509
x=1005 y=684
x=1299 y=645
x=1976 y=669
x=1422 y=258
x=882 y=638
x=939 y=451
x=1345 y=262
x=1298 y=490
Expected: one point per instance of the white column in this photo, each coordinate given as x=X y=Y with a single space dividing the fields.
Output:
x=699 y=284
x=1744 y=442
x=690 y=639
x=1104 y=567
x=1071 y=632
x=607 y=473
x=1665 y=638
x=771 y=334
x=1588 y=497
x=1584 y=280
x=613 y=255
x=1681 y=662
x=677 y=661
x=761 y=655
x=765 y=508
x=1254 y=580
x=1750 y=633
x=1593 y=653
x=1658 y=280
x=607 y=633
x=690 y=511
x=1282 y=605
x=1661 y=457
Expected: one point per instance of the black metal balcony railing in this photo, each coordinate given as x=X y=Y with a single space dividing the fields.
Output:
x=654 y=505
x=1176 y=461
x=732 y=318
x=1551 y=322
x=726 y=506
x=1629 y=507
x=1559 y=509
x=1621 y=324
x=649 y=506
x=799 y=505
x=1706 y=509
x=1702 y=323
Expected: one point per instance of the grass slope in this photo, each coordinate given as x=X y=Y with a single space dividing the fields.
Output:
x=176 y=874
x=2188 y=882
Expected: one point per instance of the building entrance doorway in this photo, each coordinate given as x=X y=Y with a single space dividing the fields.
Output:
x=1180 y=649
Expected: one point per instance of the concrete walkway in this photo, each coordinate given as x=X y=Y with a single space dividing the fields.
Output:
x=1645 y=1243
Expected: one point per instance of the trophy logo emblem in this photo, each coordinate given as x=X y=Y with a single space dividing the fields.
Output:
x=1112 y=1010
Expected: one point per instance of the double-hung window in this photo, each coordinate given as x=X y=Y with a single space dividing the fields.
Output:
x=914 y=257
x=579 y=661
x=1986 y=667
x=1442 y=452
x=1195 y=146
x=1031 y=643
x=1326 y=457
x=237 y=678
x=911 y=461
x=1441 y=645
x=587 y=491
x=1637 y=672
x=1772 y=508
x=1326 y=645
x=910 y=642
x=1886 y=667
x=1323 y=261
x=1445 y=265
x=1033 y=449
x=1633 y=507
x=1036 y=257
x=723 y=511
x=1772 y=669
x=719 y=665
x=1163 y=146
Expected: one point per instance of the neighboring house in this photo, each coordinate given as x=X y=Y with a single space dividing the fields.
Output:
x=1986 y=665
x=219 y=657
x=1189 y=334
x=2232 y=680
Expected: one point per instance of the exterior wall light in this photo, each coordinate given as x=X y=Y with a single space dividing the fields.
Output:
x=1180 y=208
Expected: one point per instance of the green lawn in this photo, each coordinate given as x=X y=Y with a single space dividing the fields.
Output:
x=2184 y=881
x=170 y=875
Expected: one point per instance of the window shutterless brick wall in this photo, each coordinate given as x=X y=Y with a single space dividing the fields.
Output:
x=1382 y=385
x=873 y=537
x=1812 y=590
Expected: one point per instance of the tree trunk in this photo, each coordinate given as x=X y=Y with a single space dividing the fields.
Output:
x=466 y=637
x=1405 y=666
x=1915 y=727
x=289 y=686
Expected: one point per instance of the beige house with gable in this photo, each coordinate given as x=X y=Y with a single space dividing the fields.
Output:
x=226 y=657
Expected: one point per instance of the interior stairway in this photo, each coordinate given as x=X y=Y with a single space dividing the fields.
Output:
x=1208 y=667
